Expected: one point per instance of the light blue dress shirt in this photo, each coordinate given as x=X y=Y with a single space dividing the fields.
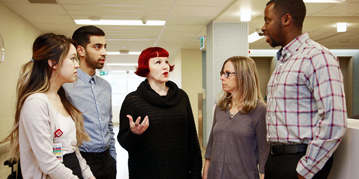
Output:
x=92 y=96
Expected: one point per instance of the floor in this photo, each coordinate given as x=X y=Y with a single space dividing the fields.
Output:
x=122 y=158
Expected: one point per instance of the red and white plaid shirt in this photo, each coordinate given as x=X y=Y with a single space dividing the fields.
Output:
x=306 y=102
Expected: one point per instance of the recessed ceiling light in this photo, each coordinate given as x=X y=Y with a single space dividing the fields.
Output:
x=118 y=22
x=341 y=27
x=245 y=16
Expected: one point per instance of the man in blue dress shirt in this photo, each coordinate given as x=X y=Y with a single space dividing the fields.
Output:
x=92 y=96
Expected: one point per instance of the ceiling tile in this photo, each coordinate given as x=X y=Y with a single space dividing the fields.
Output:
x=184 y=28
x=195 y=11
x=186 y=21
x=341 y=9
x=16 y=1
x=313 y=8
x=256 y=7
x=49 y=19
x=114 y=2
x=57 y=27
x=194 y=20
x=168 y=34
x=27 y=8
x=118 y=8
x=217 y=3
x=120 y=15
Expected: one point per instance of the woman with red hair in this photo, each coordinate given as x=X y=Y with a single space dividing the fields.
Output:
x=162 y=143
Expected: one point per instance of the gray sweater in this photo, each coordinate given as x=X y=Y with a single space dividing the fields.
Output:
x=237 y=145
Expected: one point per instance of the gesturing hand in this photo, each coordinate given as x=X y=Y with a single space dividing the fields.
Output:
x=300 y=176
x=136 y=127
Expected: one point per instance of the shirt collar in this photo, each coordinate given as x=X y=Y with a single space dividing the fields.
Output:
x=292 y=47
x=84 y=76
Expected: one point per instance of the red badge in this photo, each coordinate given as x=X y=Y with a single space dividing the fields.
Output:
x=58 y=133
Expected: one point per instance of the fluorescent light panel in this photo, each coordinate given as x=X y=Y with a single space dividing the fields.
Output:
x=134 y=53
x=113 y=53
x=122 y=71
x=118 y=53
x=118 y=22
x=122 y=64
x=254 y=37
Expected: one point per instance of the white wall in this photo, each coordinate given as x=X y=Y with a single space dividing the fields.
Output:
x=176 y=74
x=192 y=77
x=18 y=37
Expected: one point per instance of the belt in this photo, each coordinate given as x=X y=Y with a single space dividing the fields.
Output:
x=288 y=148
x=94 y=154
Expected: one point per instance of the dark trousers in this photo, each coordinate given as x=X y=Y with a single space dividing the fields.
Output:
x=71 y=162
x=103 y=165
x=283 y=166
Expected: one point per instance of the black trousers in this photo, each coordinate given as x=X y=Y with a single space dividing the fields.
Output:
x=283 y=166
x=71 y=162
x=103 y=165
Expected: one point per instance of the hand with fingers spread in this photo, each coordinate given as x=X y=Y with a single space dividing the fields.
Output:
x=136 y=127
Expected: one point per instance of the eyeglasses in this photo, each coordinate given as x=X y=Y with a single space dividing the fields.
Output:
x=226 y=74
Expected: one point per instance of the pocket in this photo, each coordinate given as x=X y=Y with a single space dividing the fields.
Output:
x=289 y=86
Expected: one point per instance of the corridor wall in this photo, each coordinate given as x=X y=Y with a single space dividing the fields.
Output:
x=18 y=36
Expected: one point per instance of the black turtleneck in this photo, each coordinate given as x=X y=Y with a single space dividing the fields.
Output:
x=169 y=147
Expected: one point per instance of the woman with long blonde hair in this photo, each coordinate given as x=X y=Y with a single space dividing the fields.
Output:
x=47 y=127
x=237 y=142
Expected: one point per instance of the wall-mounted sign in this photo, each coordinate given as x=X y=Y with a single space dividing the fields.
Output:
x=202 y=43
x=103 y=73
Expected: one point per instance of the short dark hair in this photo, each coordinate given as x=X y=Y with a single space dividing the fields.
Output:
x=82 y=34
x=294 y=7
x=152 y=52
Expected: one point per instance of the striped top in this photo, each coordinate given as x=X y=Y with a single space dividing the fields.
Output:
x=306 y=102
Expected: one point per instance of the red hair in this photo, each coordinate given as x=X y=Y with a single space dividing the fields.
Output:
x=152 y=52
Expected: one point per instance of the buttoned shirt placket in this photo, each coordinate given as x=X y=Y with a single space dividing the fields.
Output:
x=93 y=86
x=278 y=75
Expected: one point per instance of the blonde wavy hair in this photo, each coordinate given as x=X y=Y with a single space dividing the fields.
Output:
x=247 y=86
x=35 y=77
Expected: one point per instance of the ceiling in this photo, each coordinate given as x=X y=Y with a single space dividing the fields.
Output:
x=186 y=21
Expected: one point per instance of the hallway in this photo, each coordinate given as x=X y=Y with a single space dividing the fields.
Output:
x=122 y=157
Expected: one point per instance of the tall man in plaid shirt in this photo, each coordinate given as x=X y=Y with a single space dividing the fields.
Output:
x=306 y=110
